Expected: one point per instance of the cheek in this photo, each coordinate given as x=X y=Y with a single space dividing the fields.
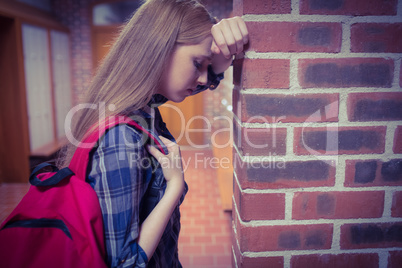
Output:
x=188 y=74
x=183 y=74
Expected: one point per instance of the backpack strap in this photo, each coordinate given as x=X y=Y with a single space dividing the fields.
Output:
x=55 y=179
x=80 y=160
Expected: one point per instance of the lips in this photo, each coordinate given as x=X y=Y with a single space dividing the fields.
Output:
x=198 y=89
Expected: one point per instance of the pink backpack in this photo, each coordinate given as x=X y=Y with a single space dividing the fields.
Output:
x=59 y=223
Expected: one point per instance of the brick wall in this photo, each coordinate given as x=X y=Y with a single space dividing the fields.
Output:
x=75 y=14
x=318 y=134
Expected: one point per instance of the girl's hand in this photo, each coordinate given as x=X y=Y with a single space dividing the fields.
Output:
x=155 y=224
x=229 y=37
x=171 y=164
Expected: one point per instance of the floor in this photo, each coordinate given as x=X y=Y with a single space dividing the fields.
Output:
x=205 y=238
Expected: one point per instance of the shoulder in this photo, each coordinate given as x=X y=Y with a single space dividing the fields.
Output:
x=122 y=135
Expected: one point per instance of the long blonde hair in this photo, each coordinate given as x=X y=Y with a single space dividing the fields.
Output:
x=130 y=74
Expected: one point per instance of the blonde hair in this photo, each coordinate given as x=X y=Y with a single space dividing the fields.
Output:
x=130 y=74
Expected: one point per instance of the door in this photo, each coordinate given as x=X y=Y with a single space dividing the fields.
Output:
x=102 y=39
x=61 y=78
x=38 y=86
x=14 y=141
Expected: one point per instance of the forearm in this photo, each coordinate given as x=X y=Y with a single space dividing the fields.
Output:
x=154 y=225
x=220 y=64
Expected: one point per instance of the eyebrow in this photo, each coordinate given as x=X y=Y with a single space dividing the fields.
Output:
x=208 y=56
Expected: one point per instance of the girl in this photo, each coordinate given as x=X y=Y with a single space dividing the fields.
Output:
x=170 y=49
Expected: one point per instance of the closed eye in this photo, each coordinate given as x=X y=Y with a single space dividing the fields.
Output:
x=197 y=64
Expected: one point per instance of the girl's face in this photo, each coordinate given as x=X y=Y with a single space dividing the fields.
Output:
x=187 y=68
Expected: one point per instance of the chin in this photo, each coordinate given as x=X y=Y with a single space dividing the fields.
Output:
x=178 y=98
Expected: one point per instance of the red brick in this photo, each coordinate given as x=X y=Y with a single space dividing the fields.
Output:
x=205 y=239
x=395 y=259
x=191 y=214
x=349 y=7
x=397 y=149
x=192 y=250
x=274 y=108
x=249 y=262
x=218 y=221
x=184 y=238
x=204 y=261
x=236 y=254
x=285 y=237
x=223 y=260
x=259 y=206
x=261 y=73
x=260 y=141
x=371 y=235
x=396 y=210
x=185 y=260
x=213 y=229
x=366 y=260
x=295 y=36
x=336 y=141
x=226 y=229
x=400 y=76
x=338 y=205
x=262 y=262
x=238 y=8
x=346 y=72
x=215 y=249
x=277 y=173
x=192 y=229
x=369 y=173
x=376 y=37
x=241 y=7
x=375 y=106
x=236 y=102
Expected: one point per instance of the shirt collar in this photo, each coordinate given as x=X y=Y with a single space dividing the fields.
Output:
x=157 y=100
x=148 y=111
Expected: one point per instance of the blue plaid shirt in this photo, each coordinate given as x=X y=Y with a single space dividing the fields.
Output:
x=129 y=183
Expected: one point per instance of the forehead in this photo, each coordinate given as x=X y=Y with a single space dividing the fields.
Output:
x=201 y=49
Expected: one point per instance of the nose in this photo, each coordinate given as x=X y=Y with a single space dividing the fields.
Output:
x=203 y=78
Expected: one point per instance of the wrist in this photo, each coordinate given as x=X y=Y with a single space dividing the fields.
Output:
x=221 y=64
x=175 y=188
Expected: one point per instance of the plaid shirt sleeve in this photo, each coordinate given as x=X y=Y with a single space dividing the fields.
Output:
x=118 y=181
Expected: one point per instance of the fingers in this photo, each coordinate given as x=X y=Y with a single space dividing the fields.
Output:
x=171 y=163
x=154 y=152
x=173 y=149
x=225 y=39
x=214 y=48
x=220 y=40
x=171 y=146
x=240 y=34
x=230 y=36
x=243 y=30
x=166 y=141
